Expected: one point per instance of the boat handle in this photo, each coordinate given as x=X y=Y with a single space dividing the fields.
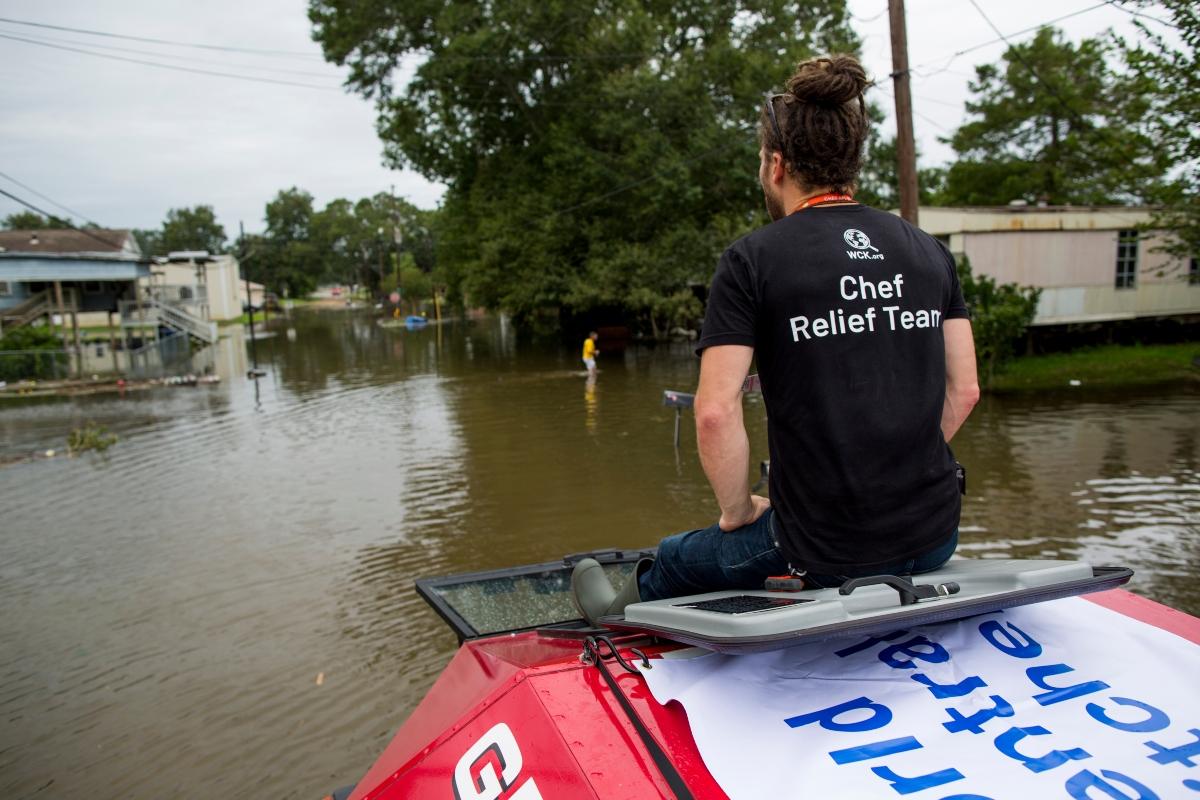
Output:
x=909 y=593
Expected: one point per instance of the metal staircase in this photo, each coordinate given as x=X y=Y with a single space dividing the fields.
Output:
x=177 y=318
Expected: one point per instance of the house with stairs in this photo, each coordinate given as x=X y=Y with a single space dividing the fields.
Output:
x=98 y=278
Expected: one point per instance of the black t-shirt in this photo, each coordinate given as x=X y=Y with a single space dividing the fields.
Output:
x=844 y=307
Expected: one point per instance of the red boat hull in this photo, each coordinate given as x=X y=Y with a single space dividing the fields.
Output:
x=520 y=717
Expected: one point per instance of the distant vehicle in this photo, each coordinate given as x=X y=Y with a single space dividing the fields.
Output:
x=336 y=291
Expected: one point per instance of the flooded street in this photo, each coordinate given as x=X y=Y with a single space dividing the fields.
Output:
x=222 y=604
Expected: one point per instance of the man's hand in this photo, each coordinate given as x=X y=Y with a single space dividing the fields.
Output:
x=735 y=518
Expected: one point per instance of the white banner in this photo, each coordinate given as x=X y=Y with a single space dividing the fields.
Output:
x=1064 y=699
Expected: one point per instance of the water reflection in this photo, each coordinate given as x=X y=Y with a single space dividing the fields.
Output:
x=590 y=403
x=1108 y=478
x=178 y=598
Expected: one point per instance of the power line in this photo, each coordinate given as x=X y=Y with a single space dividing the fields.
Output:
x=174 y=67
x=193 y=59
x=1001 y=38
x=928 y=119
x=49 y=200
x=866 y=20
x=48 y=215
x=408 y=55
x=297 y=54
x=150 y=40
x=932 y=122
x=1117 y=4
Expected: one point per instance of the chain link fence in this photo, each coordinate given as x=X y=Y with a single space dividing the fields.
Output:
x=171 y=355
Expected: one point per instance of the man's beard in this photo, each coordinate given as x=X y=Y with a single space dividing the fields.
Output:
x=774 y=206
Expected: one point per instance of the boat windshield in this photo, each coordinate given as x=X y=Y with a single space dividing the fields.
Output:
x=518 y=598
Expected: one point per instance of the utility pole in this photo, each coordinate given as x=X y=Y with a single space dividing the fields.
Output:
x=243 y=257
x=906 y=149
x=396 y=245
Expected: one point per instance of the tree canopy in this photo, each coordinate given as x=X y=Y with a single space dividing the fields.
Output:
x=345 y=242
x=597 y=156
x=193 y=229
x=30 y=220
x=1056 y=123
x=184 y=229
x=879 y=180
x=1170 y=76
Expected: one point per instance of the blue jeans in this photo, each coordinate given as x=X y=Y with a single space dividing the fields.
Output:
x=710 y=560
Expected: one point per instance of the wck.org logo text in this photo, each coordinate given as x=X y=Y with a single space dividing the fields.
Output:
x=863 y=249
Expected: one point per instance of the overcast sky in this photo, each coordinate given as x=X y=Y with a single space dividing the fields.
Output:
x=121 y=143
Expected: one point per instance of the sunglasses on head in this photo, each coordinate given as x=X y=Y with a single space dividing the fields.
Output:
x=769 y=99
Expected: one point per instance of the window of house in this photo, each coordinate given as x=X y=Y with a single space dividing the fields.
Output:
x=92 y=287
x=6 y=289
x=1194 y=271
x=1127 y=256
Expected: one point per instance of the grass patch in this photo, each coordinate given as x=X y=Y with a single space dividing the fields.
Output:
x=244 y=319
x=1112 y=365
x=90 y=437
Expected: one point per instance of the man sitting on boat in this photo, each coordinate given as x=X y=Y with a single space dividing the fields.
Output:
x=864 y=350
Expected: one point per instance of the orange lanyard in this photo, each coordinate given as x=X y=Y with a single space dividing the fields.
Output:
x=817 y=199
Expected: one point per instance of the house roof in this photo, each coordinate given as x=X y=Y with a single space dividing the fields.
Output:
x=946 y=220
x=70 y=241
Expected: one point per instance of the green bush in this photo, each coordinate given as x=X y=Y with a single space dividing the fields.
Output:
x=28 y=362
x=1000 y=313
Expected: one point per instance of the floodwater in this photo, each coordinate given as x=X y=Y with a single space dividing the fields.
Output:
x=222 y=606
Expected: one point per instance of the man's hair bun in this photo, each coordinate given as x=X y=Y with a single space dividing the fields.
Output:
x=821 y=123
x=828 y=82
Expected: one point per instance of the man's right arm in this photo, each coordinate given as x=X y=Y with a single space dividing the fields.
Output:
x=721 y=434
x=962 y=383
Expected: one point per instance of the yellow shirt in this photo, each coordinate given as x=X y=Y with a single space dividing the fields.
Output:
x=589 y=348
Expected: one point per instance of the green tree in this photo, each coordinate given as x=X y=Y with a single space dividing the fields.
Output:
x=1054 y=123
x=334 y=230
x=192 y=229
x=879 y=180
x=414 y=284
x=597 y=156
x=381 y=221
x=288 y=260
x=150 y=241
x=1000 y=314
x=29 y=220
x=184 y=229
x=1170 y=74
